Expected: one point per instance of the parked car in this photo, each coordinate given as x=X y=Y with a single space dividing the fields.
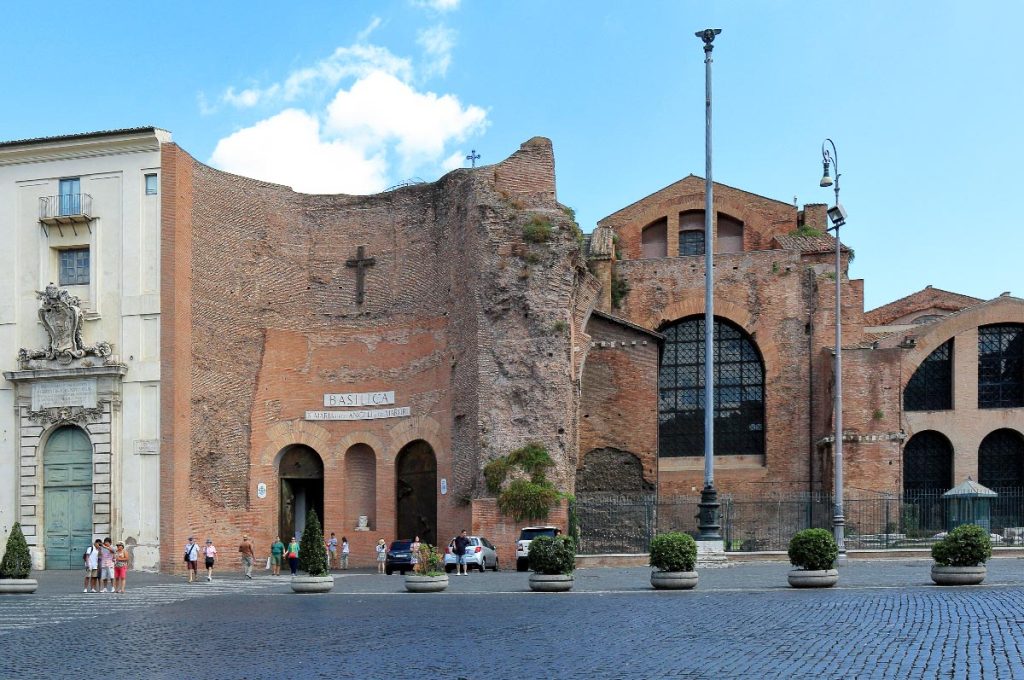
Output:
x=480 y=554
x=527 y=534
x=398 y=557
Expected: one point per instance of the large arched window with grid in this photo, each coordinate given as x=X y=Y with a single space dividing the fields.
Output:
x=931 y=386
x=927 y=463
x=739 y=391
x=1001 y=366
x=1001 y=460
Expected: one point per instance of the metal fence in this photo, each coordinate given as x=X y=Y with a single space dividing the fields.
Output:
x=610 y=523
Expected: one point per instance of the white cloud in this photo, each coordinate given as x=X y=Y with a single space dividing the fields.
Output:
x=289 y=149
x=437 y=5
x=453 y=162
x=370 y=28
x=380 y=109
x=437 y=42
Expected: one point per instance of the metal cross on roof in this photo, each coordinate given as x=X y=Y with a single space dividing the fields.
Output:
x=473 y=157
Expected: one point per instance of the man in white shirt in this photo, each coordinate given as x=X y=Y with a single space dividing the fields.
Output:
x=92 y=566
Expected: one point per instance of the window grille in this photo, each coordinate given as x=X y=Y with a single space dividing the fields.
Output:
x=739 y=391
x=74 y=267
x=931 y=386
x=927 y=462
x=1001 y=366
x=691 y=242
x=1001 y=460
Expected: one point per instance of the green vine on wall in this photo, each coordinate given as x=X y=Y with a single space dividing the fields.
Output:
x=523 y=498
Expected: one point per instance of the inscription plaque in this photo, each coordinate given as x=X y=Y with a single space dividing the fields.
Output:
x=361 y=414
x=64 y=393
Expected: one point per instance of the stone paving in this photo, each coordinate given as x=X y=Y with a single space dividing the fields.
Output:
x=885 y=620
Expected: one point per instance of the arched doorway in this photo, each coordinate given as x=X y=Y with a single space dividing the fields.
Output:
x=67 y=497
x=1001 y=460
x=416 y=492
x=927 y=474
x=301 y=476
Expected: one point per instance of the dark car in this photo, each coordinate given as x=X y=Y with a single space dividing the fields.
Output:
x=398 y=558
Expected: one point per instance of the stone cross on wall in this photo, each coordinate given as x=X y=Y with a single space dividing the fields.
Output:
x=360 y=262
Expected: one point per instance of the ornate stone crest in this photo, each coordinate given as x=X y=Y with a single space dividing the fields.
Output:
x=76 y=415
x=61 y=315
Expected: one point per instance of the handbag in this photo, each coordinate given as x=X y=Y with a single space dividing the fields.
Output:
x=268 y=564
x=291 y=555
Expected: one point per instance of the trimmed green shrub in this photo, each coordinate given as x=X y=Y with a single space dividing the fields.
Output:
x=673 y=551
x=312 y=551
x=813 y=550
x=553 y=555
x=17 y=561
x=430 y=561
x=523 y=499
x=966 y=546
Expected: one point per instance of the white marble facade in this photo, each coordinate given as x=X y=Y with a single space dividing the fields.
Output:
x=83 y=212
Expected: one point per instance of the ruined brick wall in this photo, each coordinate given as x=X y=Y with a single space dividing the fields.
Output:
x=467 y=323
x=620 y=395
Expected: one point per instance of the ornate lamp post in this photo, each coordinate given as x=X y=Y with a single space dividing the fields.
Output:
x=708 y=518
x=837 y=215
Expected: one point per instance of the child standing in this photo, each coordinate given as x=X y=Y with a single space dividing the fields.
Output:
x=210 y=552
x=382 y=555
x=344 y=552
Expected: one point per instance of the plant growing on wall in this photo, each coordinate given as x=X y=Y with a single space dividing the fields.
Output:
x=620 y=288
x=529 y=495
x=537 y=230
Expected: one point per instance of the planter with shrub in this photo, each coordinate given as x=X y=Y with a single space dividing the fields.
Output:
x=429 y=576
x=960 y=557
x=313 y=559
x=553 y=561
x=813 y=552
x=16 y=565
x=673 y=557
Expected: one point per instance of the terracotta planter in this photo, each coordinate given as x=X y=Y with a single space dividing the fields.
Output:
x=426 y=584
x=674 y=580
x=18 y=586
x=312 y=584
x=805 y=578
x=959 y=576
x=551 y=583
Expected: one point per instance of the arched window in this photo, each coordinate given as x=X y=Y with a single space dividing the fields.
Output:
x=739 y=391
x=1001 y=366
x=931 y=386
x=691 y=232
x=1001 y=460
x=654 y=239
x=729 y=234
x=927 y=463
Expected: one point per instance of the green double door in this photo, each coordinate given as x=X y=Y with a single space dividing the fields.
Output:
x=67 y=497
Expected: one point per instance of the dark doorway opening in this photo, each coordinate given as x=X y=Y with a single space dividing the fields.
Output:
x=301 y=474
x=416 y=492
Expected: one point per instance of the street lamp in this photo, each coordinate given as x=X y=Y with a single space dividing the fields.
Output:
x=837 y=215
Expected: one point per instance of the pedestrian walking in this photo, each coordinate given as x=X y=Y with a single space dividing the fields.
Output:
x=293 y=556
x=92 y=566
x=382 y=555
x=210 y=555
x=192 y=558
x=414 y=554
x=459 y=550
x=248 y=556
x=120 y=568
x=106 y=566
x=344 y=552
x=332 y=551
x=276 y=555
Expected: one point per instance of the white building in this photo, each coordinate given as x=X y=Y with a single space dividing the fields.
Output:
x=79 y=343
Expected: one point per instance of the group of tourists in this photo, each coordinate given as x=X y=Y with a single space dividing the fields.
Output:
x=106 y=566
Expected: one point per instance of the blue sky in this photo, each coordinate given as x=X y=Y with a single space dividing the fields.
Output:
x=922 y=100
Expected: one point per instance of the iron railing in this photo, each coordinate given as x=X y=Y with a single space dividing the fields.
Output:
x=65 y=205
x=611 y=523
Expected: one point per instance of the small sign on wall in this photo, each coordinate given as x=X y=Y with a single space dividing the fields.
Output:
x=144 y=447
x=444 y=486
x=261 y=490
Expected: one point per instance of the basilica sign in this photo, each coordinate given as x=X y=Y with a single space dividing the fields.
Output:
x=360 y=399
x=360 y=414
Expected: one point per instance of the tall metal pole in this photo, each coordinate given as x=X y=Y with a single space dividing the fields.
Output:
x=708 y=522
x=838 y=219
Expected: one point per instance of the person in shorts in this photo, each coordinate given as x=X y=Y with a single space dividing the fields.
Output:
x=382 y=555
x=192 y=558
x=276 y=555
x=120 y=568
x=459 y=550
x=332 y=551
x=92 y=566
x=210 y=556
x=106 y=566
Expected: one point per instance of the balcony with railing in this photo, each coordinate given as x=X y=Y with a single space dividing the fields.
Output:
x=64 y=209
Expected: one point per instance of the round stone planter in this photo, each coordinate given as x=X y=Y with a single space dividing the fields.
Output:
x=674 y=580
x=958 y=576
x=18 y=586
x=804 y=578
x=426 y=584
x=551 y=583
x=312 y=584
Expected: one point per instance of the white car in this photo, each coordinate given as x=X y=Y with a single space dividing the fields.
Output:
x=527 y=534
x=480 y=554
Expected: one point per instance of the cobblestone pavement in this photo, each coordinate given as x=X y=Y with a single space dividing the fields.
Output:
x=885 y=620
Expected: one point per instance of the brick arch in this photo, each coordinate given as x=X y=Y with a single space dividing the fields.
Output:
x=290 y=432
x=423 y=427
